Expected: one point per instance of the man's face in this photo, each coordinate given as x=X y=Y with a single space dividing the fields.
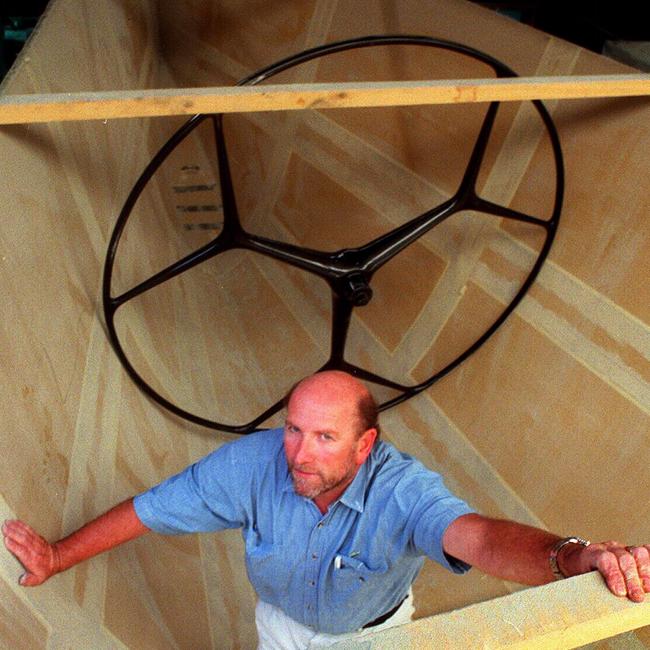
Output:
x=321 y=443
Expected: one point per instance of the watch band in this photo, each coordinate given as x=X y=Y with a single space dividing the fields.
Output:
x=560 y=544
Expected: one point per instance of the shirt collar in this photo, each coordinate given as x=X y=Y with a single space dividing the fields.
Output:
x=284 y=469
x=354 y=495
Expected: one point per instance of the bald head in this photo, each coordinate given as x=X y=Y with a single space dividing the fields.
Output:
x=326 y=436
x=344 y=390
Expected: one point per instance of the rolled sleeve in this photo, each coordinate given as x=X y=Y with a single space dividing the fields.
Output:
x=437 y=509
x=201 y=498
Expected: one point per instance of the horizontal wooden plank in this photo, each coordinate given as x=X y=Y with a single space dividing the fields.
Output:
x=565 y=614
x=24 y=109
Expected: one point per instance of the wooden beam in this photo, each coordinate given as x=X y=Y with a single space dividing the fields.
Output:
x=565 y=614
x=24 y=109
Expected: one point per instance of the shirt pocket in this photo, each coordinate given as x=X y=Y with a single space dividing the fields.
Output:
x=352 y=576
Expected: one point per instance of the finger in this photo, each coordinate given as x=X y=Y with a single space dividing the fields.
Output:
x=18 y=552
x=607 y=564
x=10 y=527
x=19 y=530
x=641 y=555
x=30 y=580
x=36 y=565
x=630 y=572
x=30 y=555
x=16 y=548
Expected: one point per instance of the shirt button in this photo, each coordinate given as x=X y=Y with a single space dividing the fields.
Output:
x=320 y=524
x=314 y=556
x=312 y=583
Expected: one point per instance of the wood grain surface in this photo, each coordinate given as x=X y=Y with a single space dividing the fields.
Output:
x=63 y=107
x=548 y=423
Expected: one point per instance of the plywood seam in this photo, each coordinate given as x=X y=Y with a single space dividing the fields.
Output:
x=304 y=314
x=86 y=455
x=518 y=166
x=591 y=304
x=594 y=359
x=463 y=450
x=282 y=147
x=129 y=559
x=282 y=151
x=596 y=309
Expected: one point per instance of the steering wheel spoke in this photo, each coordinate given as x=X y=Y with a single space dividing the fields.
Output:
x=488 y=207
x=173 y=270
x=467 y=189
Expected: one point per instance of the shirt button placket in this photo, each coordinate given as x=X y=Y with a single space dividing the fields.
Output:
x=312 y=572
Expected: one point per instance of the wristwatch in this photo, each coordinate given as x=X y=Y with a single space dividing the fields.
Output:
x=561 y=543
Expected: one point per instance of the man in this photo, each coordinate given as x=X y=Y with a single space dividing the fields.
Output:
x=336 y=524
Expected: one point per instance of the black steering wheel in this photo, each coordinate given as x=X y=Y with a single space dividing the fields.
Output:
x=348 y=271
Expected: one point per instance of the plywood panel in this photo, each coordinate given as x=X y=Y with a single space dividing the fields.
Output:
x=61 y=387
x=566 y=379
x=19 y=627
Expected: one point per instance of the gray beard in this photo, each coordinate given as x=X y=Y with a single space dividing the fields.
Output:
x=305 y=489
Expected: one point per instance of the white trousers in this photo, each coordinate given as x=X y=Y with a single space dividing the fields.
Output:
x=277 y=631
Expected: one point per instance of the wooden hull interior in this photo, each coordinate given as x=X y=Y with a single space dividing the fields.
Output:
x=547 y=423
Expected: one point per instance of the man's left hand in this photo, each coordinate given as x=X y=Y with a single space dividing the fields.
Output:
x=626 y=569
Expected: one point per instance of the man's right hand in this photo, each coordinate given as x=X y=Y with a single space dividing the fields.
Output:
x=43 y=560
x=39 y=558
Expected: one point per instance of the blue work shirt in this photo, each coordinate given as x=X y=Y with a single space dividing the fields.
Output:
x=333 y=572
